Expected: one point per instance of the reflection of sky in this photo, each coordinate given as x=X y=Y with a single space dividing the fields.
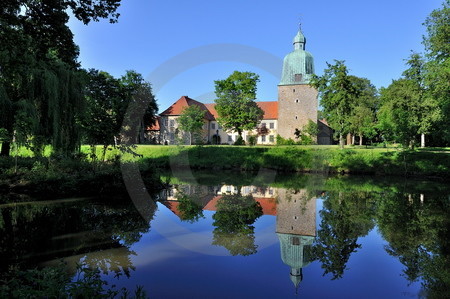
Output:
x=170 y=263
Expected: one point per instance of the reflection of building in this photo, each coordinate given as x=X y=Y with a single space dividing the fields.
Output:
x=295 y=212
x=296 y=229
x=208 y=196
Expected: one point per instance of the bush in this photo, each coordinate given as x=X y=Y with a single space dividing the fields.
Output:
x=252 y=140
x=239 y=141
x=284 y=141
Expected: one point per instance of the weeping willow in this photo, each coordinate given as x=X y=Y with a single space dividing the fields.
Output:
x=56 y=95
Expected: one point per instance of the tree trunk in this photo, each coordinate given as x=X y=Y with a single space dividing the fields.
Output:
x=341 y=141
x=360 y=139
x=422 y=140
x=190 y=138
x=353 y=139
x=6 y=149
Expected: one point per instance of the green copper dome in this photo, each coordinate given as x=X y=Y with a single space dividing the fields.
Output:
x=298 y=66
x=299 y=38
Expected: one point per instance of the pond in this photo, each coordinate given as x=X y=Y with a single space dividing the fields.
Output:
x=246 y=235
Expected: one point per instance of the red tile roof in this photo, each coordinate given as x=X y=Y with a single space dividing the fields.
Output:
x=270 y=109
x=183 y=102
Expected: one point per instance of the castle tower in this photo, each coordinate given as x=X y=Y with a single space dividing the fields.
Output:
x=297 y=101
x=296 y=230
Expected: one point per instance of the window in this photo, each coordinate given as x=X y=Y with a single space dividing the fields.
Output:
x=166 y=122
x=271 y=125
x=219 y=127
x=263 y=125
x=293 y=90
x=296 y=100
x=271 y=138
x=172 y=122
x=263 y=138
x=298 y=77
x=230 y=138
x=213 y=126
x=296 y=117
x=228 y=188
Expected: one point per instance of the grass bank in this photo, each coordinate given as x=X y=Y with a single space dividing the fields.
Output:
x=329 y=159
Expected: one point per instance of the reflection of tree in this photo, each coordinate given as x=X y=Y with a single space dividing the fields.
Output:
x=189 y=207
x=60 y=230
x=417 y=232
x=345 y=217
x=233 y=221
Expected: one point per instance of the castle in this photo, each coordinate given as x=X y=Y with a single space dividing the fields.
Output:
x=297 y=104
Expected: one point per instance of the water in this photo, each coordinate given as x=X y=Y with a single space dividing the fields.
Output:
x=230 y=235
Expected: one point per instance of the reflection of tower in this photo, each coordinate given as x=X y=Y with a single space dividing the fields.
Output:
x=296 y=229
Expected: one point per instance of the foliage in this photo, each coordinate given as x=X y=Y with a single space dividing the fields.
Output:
x=308 y=134
x=55 y=283
x=345 y=218
x=403 y=113
x=252 y=139
x=239 y=141
x=364 y=108
x=337 y=93
x=110 y=104
x=191 y=120
x=40 y=85
x=416 y=226
x=283 y=141
x=235 y=102
x=191 y=210
x=437 y=68
x=233 y=224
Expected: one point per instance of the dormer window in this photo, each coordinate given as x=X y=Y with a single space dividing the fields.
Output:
x=298 y=77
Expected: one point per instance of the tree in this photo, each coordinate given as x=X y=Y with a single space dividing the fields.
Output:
x=137 y=108
x=398 y=115
x=40 y=76
x=345 y=217
x=407 y=108
x=235 y=102
x=429 y=112
x=337 y=94
x=308 y=134
x=364 y=107
x=99 y=120
x=190 y=210
x=437 y=44
x=233 y=221
x=191 y=120
x=113 y=104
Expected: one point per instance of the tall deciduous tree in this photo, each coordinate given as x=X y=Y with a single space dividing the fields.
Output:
x=399 y=112
x=337 y=94
x=115 y=106
x=437 y=78
x=39 y=77
x=235 y=102
x=137 y=109
x=191 y=120
x=364 y=107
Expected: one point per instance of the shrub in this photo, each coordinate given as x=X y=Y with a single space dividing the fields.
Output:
x=239 y=141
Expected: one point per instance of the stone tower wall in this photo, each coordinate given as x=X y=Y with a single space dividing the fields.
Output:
x=296 y=105
x=296 y=213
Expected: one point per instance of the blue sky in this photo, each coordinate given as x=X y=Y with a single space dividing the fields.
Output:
x=181 y=47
